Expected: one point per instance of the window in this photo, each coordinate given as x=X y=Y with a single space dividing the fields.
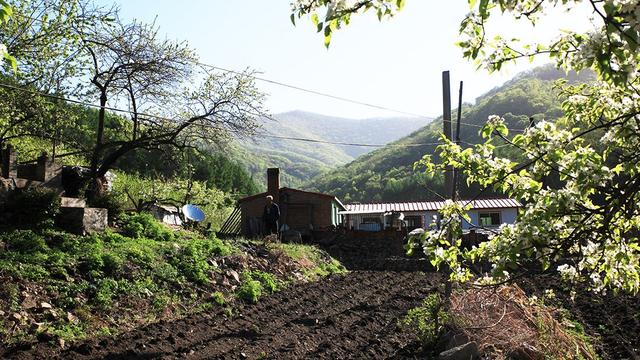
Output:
x=413 y=222
x=370 y=220
x=491 y=219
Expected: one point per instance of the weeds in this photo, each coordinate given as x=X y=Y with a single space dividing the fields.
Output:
x=428 y=320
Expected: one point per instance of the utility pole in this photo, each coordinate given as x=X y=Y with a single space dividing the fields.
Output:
x=454 y=188
x=446 y=123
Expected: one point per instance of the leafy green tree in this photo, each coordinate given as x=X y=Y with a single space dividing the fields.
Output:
x=75 y=47
x=5 y=14
x=588 y=227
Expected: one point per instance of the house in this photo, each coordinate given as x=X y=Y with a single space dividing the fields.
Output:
x=484 y=213
x=300 y=210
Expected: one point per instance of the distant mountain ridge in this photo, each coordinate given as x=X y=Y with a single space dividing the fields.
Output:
x=299 y=161
x=387 y=174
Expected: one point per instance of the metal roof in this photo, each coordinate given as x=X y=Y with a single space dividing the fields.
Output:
x=375 y=208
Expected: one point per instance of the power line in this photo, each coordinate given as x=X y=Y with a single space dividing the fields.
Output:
x=314 y=92
x=350 y=144
x=295 y=87
x=79 y=102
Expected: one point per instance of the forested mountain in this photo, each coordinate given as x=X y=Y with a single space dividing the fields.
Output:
x=387 y=174
x=299 y=161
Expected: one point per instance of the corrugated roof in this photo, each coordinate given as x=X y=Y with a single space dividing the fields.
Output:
x=428 y=206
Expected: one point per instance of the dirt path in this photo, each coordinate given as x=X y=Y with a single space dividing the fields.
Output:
x=348 y=316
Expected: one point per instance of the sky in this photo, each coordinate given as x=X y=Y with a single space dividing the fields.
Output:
x=395 y=63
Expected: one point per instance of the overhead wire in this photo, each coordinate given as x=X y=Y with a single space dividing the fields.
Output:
x=84 y=103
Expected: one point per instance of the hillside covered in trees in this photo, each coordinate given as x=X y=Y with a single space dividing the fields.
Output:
x=300 y=161
x=388 y=174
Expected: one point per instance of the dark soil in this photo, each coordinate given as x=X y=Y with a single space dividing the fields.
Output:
x=348 y=316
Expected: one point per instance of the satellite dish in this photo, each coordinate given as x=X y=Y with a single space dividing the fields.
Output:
x=193 y=213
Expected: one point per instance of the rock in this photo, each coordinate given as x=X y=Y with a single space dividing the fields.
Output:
x=2 y=313
x=16 y=316
x=61 y=342
x=45 y=305
x=456 y=340
x=234 y=275
x=29 y=302
x=466 y=351
x=526 y=352
x=72 y=318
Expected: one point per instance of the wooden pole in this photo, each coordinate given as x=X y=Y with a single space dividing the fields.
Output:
x=446 y=123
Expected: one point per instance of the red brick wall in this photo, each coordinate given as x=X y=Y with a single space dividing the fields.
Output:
x=297 y=209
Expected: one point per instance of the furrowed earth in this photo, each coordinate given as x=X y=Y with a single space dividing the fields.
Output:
x=353 y=315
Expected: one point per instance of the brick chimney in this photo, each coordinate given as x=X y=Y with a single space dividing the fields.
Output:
x=273 y=184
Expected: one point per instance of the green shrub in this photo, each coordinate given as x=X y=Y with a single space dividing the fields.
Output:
x=192 y=258
x=33 y=208
x=24 y=241
x=112 y=237
x=93 y=260
x=428 y=320
x=218 y=298
x=250 y=290
x=145 y=225
x=105 y=292
x=111 y=263
x=268 y=281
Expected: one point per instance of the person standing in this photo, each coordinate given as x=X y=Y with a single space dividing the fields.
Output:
x=270 y=216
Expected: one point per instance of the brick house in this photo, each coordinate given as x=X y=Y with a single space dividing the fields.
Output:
x=300 y=210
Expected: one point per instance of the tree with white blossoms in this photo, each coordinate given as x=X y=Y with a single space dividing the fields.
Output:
x=5 y=14
x=588 y=227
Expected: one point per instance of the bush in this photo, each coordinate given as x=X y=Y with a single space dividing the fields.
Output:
x=218 y=298
x=32 y=208
x=268 y=281
x=428 y=320
x=24 y=241
x=250 y=290
x=105 y=292
x=112 y=263
x=145 y=225
x=192 y=258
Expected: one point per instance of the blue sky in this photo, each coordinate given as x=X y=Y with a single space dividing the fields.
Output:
x=396 y=63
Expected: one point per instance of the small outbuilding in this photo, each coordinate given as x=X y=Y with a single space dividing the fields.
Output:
x=302 y=211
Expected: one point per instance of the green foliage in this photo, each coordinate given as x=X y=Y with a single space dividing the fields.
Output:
x=388 y=174
x=145 y=225
x=428 y=320
x=255 y=283
x=578 y=177
x=338 y=14
x=32 y=208
x=24 y=241
x=143 y=192
x=268 y=281
x=250 y=290
x=218 y=298
x=191 y=259
x=106 y=291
